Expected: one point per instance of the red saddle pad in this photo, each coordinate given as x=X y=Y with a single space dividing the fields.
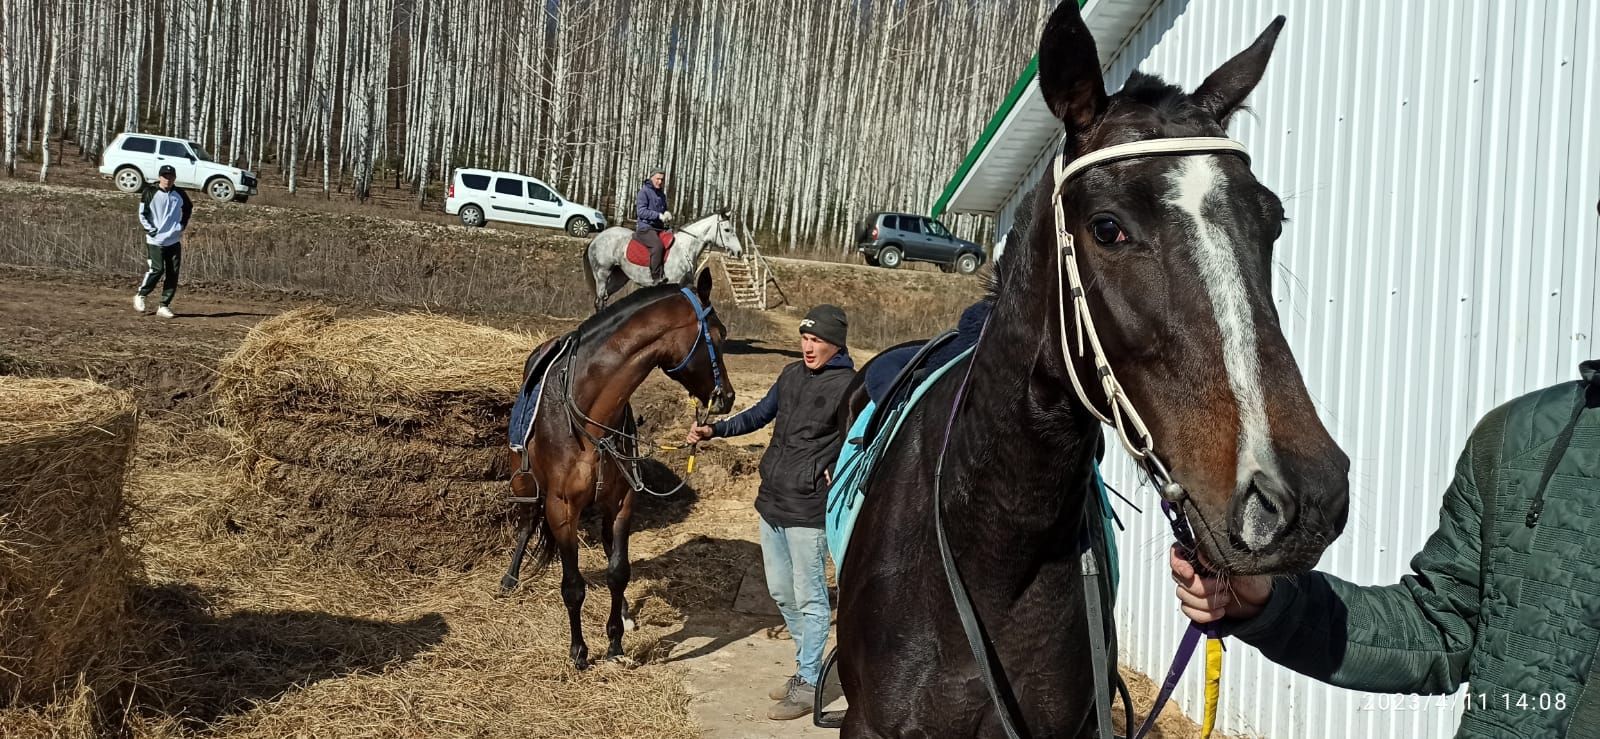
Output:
x=639 y=254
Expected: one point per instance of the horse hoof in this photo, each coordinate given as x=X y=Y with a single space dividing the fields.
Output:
x=629 y=624
x=580 y=664
x=508 y=584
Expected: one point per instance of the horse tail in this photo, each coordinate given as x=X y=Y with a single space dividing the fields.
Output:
x=542 y=545
x=588 y=267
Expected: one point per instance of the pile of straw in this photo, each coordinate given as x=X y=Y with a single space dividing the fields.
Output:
x=65 y=446
x=379 y=439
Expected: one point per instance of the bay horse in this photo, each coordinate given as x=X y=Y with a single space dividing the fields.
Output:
x=584 y=441
x=606 y=258
x=1166 y=243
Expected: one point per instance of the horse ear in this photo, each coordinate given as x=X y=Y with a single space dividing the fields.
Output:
x=1069 y=70
x=702 y=286
x=1223 y=92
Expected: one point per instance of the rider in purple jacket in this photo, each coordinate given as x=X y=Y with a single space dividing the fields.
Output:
x=650 y=208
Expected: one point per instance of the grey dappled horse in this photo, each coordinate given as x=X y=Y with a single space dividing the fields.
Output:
x=606 y=259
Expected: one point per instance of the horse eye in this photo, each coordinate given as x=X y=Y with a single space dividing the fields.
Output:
x=1106 y=231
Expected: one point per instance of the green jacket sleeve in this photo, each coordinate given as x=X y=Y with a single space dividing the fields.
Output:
x=1413 y=637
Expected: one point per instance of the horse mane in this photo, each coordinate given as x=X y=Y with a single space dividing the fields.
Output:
x=1148 y=89
x=607 y=321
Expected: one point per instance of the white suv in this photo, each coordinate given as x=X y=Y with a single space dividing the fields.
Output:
x=135 y=158
x=483 y=195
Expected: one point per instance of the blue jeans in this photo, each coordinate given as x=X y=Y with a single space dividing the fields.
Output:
x=796 y=562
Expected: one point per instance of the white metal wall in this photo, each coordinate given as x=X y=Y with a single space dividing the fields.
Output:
x=1440 y=164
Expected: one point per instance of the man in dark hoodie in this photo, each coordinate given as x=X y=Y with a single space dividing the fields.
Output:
x=164 y=213
x=794 y=488
x=650 y=211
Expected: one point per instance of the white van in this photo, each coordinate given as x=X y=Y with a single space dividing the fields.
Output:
x=135 y=158
x=482 y=195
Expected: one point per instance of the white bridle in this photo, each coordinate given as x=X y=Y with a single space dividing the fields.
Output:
x=1131 y=429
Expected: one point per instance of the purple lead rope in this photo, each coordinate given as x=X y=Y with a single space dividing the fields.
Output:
x=1191 y=635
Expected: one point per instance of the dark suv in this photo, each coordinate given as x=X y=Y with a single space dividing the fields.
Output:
x=887 y=239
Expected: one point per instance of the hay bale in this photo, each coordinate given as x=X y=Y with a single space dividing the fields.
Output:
x=335 y=447
x=378 y=439
x=411 y=373
x=65 y=446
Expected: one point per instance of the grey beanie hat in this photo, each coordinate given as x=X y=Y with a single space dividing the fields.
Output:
x=827 y=322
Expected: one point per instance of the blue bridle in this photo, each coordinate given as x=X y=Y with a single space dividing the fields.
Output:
x=701 y=313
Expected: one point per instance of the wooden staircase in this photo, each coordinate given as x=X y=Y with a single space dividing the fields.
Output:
x=749 y=275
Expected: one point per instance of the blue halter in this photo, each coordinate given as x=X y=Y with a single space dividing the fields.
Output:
x=701 y=313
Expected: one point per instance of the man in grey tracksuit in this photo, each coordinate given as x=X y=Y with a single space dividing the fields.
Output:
x=164 y=213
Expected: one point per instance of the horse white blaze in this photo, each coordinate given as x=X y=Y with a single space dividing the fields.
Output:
x=1195 y=179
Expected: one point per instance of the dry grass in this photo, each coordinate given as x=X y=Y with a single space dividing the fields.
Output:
x=410 y=373
x=64 y=571
x=885 y=306
x=247 y=635
x=361 y=256
x=376 y=440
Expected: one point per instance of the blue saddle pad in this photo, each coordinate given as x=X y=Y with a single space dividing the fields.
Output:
x=856 y=462
x=519 y=432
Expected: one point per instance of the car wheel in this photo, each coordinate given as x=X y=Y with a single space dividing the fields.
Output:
x=889 y=257
x=579 y=226
x=471 y=216
x=129 y=179
x=967 y=263
x=220 y=189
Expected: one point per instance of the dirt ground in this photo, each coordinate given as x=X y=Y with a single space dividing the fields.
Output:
x=697 y=553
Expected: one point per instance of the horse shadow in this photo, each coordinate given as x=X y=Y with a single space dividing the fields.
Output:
x=735 y=347
x=212 y=667
x=671 y=504
x=718 y=586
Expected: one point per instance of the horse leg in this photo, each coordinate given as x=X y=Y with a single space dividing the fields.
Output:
x=514 y=572
x=614 y=534
x=563 y=521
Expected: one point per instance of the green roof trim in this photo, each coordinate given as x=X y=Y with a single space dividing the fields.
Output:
x=993 y=126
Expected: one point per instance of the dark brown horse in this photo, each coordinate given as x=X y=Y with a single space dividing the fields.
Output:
x=1174 y=251
x=584 y=441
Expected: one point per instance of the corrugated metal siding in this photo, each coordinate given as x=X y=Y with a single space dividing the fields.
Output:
x=1441 y=168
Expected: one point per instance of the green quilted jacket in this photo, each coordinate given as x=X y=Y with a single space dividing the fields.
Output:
x=1524 y=636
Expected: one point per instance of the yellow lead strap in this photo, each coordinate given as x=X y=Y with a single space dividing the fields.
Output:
x=1213 y=685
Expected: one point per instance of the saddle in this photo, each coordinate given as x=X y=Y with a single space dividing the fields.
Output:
x=869 y=437
x=525 y=410
x=909 y=377
x=639 y=254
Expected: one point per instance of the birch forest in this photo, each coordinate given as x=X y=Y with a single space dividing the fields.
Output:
x=800 y=115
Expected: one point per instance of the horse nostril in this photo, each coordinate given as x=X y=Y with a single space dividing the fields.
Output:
x=1264 y=512
x=1266 y=503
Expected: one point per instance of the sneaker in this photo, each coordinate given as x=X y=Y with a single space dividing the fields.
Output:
x=138 y=303
x=782 y=691
x=165 y=312
x=797 y=703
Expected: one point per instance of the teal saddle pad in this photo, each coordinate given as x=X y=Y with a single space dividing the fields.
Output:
x=857 y=459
